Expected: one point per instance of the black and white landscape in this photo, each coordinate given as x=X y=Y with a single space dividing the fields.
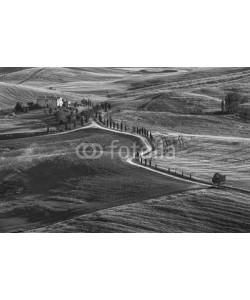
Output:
x=124 y=149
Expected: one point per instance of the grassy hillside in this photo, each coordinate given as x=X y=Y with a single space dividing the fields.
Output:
x=11 y=93
x=45 y=77
x=193 y=211
x=11 y=70
x=164 y=122
x=43 y=180
x=203 y=156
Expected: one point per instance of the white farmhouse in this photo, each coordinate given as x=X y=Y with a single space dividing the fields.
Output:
x=50 y=101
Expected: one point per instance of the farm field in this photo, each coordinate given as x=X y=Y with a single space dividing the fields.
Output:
x=43 y=180
x=165 y=123
x=203 y=156
x=45 y=187
x=206 y=210
x=34 y=121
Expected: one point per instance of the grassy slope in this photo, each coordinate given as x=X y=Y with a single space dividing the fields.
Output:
x=72 y=83
x=193 y=211
x=11 y=93
x=206 y=153
x=204 y=156
x=44 y=180
x=34 y=121
x=52 y=76
x=164 y=122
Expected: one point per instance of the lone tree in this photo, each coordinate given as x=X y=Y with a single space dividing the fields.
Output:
x=232 y=102
x=218 y=179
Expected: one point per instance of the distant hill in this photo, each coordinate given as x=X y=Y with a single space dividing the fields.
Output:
x=11 y=69
x=11 y=93
x=45 y=77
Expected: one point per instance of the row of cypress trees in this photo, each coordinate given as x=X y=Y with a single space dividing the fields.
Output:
x=113 y=125
x=143 y=131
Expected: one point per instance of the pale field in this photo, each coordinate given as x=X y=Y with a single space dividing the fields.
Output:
x=202 y=157
x=210 y=145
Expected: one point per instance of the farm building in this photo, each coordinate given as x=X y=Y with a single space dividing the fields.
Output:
x=50 y=101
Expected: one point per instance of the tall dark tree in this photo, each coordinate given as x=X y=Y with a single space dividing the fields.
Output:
x=232 y=102
x=100 y=118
